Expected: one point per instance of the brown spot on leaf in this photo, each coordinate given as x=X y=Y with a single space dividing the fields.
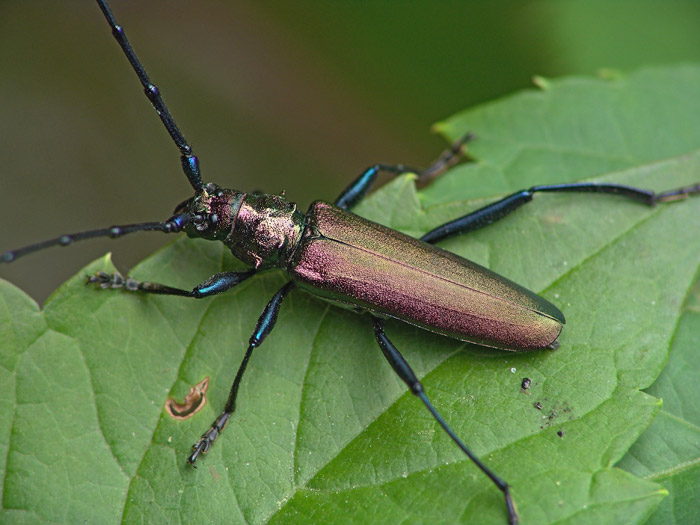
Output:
x=193 y=402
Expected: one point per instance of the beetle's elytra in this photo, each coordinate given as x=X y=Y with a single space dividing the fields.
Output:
x=336 y=255
x=363 y=263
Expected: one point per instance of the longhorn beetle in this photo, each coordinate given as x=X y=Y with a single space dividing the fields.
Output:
x=338 y=256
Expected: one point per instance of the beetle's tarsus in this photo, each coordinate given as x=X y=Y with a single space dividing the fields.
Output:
x=513 y=518
x=207 y=440
x=113 y=280
x=677 y=194
x=510 y=505
x=448 y=158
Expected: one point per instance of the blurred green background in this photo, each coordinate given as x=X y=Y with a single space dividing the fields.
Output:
x=297 y=96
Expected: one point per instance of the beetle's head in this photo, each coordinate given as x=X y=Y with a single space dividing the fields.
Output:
x=209 y=214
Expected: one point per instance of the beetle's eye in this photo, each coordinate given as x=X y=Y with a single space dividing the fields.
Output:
x=201 y=222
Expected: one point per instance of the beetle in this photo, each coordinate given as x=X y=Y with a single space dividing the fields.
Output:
x=338 y=256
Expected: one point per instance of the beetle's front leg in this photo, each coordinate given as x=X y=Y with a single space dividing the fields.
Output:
x=358 y=188
x=266 y=323
x=216 y=284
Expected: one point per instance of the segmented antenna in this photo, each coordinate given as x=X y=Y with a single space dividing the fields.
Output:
x=172 y=225
x=190 y=164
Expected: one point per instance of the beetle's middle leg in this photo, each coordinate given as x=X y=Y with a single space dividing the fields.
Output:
x=404 y=371
x=266 y=323
x=358 y=188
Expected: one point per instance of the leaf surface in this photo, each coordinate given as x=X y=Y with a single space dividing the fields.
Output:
x=324 y=431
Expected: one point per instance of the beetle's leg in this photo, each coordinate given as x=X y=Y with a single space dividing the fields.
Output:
x=403 y=370
x=266 y=323
x=216 y=284
x=358 y=188
x=499 y=209
x=446 y=160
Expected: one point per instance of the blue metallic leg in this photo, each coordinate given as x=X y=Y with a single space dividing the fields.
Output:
x=403 y=370
x=216 y=284
x=497 y=210
x=266 y=323
x=358 y=188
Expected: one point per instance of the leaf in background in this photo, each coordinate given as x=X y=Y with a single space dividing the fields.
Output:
x=324 y=431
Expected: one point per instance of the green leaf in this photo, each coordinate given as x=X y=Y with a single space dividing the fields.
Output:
x=324 y=431
x=669 y=451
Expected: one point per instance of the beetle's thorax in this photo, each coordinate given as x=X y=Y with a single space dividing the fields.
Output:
x=260 y=229
x=266 y=230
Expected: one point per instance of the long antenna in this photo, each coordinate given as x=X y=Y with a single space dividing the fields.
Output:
x=190 y=164
x=172 y=225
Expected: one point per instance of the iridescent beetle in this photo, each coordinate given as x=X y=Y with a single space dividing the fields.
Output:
x=336 y=255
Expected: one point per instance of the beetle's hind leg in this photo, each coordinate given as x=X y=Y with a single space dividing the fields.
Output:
x=497 y=210
x=216 y=284
x=358 y=188
x=404 y=371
